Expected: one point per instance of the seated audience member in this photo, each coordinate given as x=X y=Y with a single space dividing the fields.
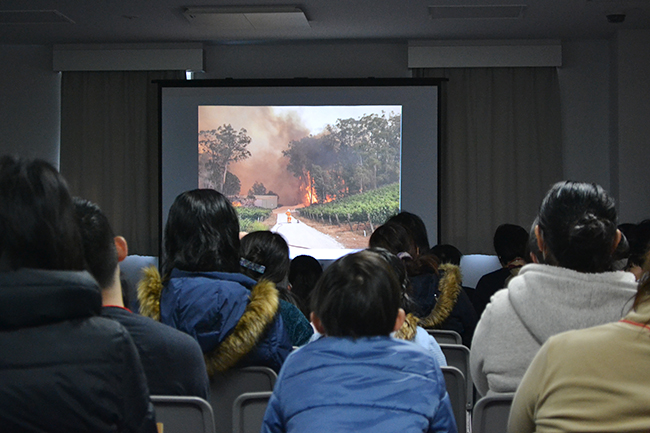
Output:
x=265 y=257
x=510 y=245
x=357 y=378
x=415 y=228
x=64 y=368
x=304 y=273
x=440 y=301
x=202 y=293
x=639 y=242
x=574 y=289
x=594 y=379
x=446 y=253
x=410 y=330
x=172 y=360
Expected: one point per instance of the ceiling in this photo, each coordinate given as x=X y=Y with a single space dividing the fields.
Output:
x=162 y=21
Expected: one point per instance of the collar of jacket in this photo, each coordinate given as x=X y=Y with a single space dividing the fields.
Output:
x=250 y=329
x=449 y=287
x=37 y=297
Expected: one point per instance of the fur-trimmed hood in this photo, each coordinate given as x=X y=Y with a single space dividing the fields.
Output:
x=449 y=286
x=220 y=312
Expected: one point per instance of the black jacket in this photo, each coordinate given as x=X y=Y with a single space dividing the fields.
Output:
x=62 y=367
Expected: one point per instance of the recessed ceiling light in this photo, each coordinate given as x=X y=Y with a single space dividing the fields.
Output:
x=248 y=18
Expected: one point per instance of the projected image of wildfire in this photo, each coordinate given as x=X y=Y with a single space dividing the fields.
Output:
x=334 y=169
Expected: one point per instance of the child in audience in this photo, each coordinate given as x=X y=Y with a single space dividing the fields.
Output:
x=304 y=273
x=357 y=378
x=265 y=256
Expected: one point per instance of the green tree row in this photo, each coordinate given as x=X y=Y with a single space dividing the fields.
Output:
x=378 y=205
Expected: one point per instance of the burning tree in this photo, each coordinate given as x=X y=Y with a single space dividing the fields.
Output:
x=352 y=156
x=218 y=148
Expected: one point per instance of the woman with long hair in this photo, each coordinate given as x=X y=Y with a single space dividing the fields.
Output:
x=202 y=292
x=573 y=287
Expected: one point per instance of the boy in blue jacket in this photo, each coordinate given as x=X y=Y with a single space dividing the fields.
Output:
x=358 y=378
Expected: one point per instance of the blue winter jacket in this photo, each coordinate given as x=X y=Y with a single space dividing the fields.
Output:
x=375 y=384
x=208 y=306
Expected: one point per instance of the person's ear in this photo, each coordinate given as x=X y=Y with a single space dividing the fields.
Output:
x=122 y=248
x=617 y=239
x=399 y=320
x=317 y=323
x=540 y=240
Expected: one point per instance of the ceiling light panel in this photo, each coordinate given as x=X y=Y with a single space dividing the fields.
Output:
x=254 y=18
x=33 y=17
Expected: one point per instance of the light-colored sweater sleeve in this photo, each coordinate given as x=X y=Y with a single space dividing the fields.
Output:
x=522 y=412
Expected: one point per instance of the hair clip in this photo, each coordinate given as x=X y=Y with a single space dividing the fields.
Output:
x=252 y=266
x=404 y=255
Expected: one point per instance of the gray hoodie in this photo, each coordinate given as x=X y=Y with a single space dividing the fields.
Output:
x=540 y=302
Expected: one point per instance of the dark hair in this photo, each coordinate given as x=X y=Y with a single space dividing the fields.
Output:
x=357 y=296
x=397 y=265
x=396 y=239
x=416 y=228
x=98 y=240
x=531 y=246
x=201 y=234
x=577 y=222
x=304 y=273
x=269 y=250
x=447 y=254
x=638 y=237
x=37 y=222
x=510 y=242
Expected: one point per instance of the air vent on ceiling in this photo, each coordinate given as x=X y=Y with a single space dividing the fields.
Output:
x=33 y=17
x=477 y=12
x=247 y=18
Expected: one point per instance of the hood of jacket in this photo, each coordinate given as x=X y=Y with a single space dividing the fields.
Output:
x=36 y=297
x=449 y=287
x=217 y=309
x=550 y=299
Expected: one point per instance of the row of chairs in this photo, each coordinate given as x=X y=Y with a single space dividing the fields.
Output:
x=239 y=399
x=490 y=413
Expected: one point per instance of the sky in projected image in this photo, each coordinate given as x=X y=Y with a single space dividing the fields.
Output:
x=270 y=130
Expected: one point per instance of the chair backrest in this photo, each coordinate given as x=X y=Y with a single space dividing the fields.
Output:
x=458 y=356
x=226 y=387
x=444 y=336
x=457 y=390
x=183 y=414
x=491 y=413
x=248 y=411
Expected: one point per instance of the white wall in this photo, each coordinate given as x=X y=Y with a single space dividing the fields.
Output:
x=310 y=60
x=31 y=103
x=585 y=97
x=632 y=116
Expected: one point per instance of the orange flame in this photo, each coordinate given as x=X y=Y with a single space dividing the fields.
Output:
x=236 y=204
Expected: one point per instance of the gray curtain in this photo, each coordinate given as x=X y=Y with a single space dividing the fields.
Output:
x=500 y=150
x=109 y=148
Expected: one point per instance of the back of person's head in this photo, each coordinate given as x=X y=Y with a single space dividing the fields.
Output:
x=357 y=296
x=265 y=256
x=98 y=240
x=304 y=273
x=533 y=254
x=447 y=254
x=577 y=223
x=416 y=228
x=396 y=239
x=397 y=265
x=201 y=234
x=639 y=241
x=37 y=221
x=510 y=242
